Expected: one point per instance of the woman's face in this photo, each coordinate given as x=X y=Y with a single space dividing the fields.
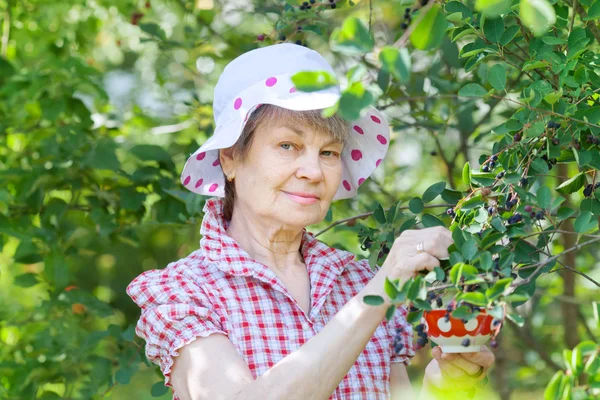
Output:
x=283 y=161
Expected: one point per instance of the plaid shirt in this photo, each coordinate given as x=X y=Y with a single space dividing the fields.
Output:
x=219 y=288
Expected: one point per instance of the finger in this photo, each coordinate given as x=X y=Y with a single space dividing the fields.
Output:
x=456 y=374
x=484 y=357
x=458 y=361
x=423 y=261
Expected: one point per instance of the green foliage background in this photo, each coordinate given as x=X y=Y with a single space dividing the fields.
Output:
x=101 y=102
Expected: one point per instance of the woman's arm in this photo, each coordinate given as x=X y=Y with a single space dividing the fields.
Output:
x=210 y=368
x=400 y=386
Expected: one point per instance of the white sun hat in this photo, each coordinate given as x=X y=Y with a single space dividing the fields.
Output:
x=263 y=76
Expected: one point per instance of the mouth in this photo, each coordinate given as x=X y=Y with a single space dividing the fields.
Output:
x=302 y=198
x=303 y=195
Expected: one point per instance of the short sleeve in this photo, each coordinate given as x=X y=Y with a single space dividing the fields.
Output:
x=408 y=349
x=175 y=311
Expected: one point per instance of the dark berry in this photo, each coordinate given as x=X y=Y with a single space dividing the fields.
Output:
x=450 y=211
x=439 y=302
x=517 y=137
x=404 y=25
x=308 y=7
x=532 y=214
x=493 y=344
x=492 y=165
x=433 y=153
x=494 y=158
x=496 y=322
x=528 y=208
x=333 y=5
x=305 y=3
x=485 y=168
x=596 y=185
x=447 y=317
x=420 y=327
x=587 y=192
x=539 y=215
x=413 y=309
x=302 y=7
x=523 y=182
x=421 y=341
x=500 y=175
x=491 y=210
x=312 y=1
x=299 y=42
x=595 y=140
x=589 y=138
x=424 y=2
x=385 y=249
x=407 y=10
x=555 y=141
x=466 y=342
x=260 y=37
x=281 y=37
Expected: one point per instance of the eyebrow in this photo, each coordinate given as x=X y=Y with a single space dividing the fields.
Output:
x=300 y=133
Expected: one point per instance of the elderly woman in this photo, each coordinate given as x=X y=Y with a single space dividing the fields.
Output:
x=263 y=310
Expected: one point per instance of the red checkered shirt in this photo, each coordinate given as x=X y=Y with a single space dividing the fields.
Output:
x=219 y=288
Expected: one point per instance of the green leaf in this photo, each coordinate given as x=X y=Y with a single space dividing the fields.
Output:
x=422 y=304
x=123 y=375
x=379 y=214
x=493 y=29
x=390 y=289
x=429 y=221
x=498 y=289
x=516 y=318
x=150 y=152
x=154 y=30
x=469 y=249
x=596 y=310
x=397 y=62
x=55 y=266
x=415 y=205
x=26 y=280
x=593 y=11
x=509 y=35
x=466 y=173
x=583 y=222
x=430 y=31
x=462 y=269
x=433 y=191
x=552 y=390
x=537 y=15
x=492 y=8
x=353 y=100
x=312 y=81
x=389 y=313
x=544 y=197
x=352 y=38
x=373 y=300
x=159 y=389
x=572 y=185
x=485 y=260
x=564 y=213
x=497 y=77
x=476 y=298
x=472 y=90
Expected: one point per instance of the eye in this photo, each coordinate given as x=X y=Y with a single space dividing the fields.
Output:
x=285 y=144
x=333 y=153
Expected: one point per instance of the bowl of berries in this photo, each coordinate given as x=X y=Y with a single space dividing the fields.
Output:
x=455 y=335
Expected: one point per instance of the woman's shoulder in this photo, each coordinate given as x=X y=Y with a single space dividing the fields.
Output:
x=191 y=270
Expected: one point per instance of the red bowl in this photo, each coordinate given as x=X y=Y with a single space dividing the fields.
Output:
x=450 y=335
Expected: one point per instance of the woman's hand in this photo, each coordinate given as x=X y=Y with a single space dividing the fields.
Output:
x=453 y=371
x=404 y=262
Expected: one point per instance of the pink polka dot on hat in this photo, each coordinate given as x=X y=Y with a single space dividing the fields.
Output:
x=263 y=76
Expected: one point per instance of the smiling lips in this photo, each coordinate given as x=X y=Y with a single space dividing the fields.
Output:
x=303 y=198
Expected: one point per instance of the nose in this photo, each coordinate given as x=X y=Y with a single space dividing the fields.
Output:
x=309 y=166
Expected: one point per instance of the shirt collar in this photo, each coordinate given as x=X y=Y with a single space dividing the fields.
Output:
x=217 y=246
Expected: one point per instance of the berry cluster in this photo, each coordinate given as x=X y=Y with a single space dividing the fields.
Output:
x=367 y=243
x=490 y=164
x=306 y=6
x=404 y=25
x=587 y=192
x=435 y=299
x=398 y=345
x=552 y=124
x=423 y=339
x=551 y=161
x=592 y=139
